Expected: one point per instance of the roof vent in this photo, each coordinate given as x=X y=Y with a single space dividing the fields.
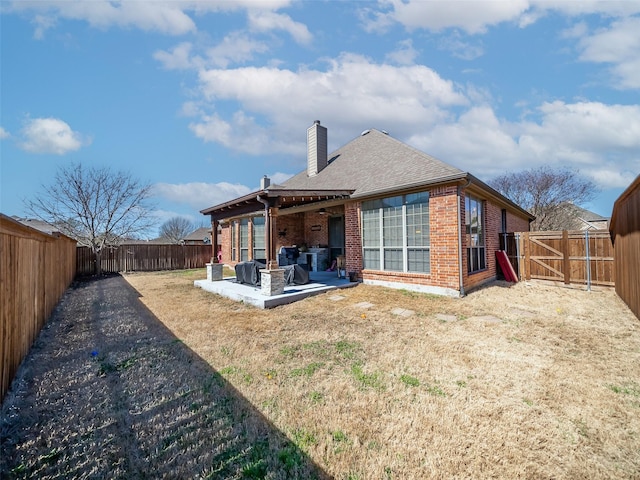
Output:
x=364 y=133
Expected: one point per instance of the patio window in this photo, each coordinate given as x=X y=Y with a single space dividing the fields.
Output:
x=475 y=237
x=395 y=233
x=244 y=239
x=234 y=225
x=259 y=251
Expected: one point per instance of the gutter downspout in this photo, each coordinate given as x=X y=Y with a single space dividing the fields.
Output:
x=267 y=229
x=460 y=275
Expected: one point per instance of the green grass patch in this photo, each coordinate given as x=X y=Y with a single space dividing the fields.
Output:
x=436 y=391
x=230 y=370
x=346 y=349
x=304 y=438
x=307 y=371
x=410 y=381
x=316 y=397
x=290 y=456
x=340 y=440
x=367 y=380
x=632 y=389
x=289 y=351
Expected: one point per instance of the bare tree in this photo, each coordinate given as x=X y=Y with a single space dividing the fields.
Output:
x=176 y=228
x=98 y=207
x=551 y=194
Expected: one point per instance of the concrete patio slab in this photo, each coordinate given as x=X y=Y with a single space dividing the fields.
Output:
x=319 y=282
x=365 y=305
x=403 y=312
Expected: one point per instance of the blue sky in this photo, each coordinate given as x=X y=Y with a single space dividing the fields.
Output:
x=203 y=98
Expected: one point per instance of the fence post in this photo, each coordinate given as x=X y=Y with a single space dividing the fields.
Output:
x=517 y=241
x=566 y=264
x=587 y=259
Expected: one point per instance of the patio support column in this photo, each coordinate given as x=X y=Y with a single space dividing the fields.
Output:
x=271 y=264
x=214 y=240
x=273 y=213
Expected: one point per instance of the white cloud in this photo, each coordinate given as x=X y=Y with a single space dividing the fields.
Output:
x=50 y=135
x=460 y=48
x=619 y=45
x=199 y=195
x=476 y=16
x=266 y=21
x=405 y=54
x=471 y=16
x=351 y=89
x=178 y=58
x=601 y=141
x=166 y=17
x=236 y=47
x=4 y=134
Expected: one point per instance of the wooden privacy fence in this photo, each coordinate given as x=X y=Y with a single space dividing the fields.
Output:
x=578 y=257
x=144 y=258
x=35 y=270
x=625 y=231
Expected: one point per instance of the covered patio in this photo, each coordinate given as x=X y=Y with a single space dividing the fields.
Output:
x=319 y=282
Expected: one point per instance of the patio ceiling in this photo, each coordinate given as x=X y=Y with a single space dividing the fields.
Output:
x=286 y=200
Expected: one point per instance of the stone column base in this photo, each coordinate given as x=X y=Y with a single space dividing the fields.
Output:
x=214 y=272
x=272 y=282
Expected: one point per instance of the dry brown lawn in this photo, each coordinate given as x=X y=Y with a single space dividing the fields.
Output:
x=531 y=381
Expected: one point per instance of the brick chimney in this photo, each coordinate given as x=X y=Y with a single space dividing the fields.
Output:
x=316 y=148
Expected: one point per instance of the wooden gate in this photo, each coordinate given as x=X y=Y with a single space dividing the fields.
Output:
x=583 y=257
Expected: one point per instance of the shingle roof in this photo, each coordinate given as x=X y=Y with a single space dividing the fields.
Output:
x=368 y=165
x=199 y=234
x=38 y=225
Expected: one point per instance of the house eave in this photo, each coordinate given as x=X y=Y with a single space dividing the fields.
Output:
x=250 y=203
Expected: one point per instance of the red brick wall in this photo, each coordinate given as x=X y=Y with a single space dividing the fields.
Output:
x=444 y=237
x=353 y=241
x=316 y=237
x=224 y=241
x=293 y=228
x=516 y=224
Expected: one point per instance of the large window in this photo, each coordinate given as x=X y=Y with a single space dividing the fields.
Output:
x=244 y=239
x=233 y=240
x=395 y=233
x=475 y=235
x=259 y=251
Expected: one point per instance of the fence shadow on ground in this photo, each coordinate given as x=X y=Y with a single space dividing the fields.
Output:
x=108 y=391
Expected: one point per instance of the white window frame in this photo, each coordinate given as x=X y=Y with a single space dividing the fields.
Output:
x=381 y=248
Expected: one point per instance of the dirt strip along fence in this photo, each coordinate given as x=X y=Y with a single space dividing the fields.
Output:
x=570 y=257
x=144 y=258
x=35 y=270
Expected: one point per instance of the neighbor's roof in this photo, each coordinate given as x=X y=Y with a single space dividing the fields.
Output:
x=199 y=234
x=588 y=216
x=368 y=165
x=38 y=225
